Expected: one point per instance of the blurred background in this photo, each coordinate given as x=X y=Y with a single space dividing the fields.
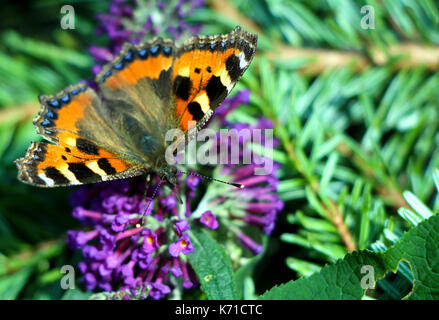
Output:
x=350 y=86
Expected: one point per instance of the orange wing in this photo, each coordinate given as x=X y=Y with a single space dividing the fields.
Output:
x=48 y=165
x=72 y=158
x=206 y=70
x=147 y=90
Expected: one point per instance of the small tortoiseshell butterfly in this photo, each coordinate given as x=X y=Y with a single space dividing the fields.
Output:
x=119 y=131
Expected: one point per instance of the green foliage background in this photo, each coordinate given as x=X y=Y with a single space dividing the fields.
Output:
x=357 y=114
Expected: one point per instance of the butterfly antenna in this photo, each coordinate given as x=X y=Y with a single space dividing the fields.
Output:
x=177 y=196
x=145 y=209
x=236 y=185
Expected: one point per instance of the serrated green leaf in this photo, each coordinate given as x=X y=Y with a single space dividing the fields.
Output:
x=212 y=266
x=343 y=280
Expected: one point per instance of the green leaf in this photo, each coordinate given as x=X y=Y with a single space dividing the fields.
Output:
x=76 y=294
x=212 y=266
x=11 y=286
x=342 y=280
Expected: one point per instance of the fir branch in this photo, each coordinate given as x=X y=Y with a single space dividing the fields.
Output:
x=334 y=213
x=20 y=113
x=386 y=187
x=408 y=54
x=42 y=251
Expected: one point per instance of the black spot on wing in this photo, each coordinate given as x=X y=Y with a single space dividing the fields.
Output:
x=182 y=87
x=155 y=50
x=54 y=174
x=195 y=110
x=47 y=123
x=30 y=176
x=167 y=51
x=48 y=132
x=106 y=166
x=86 y=146
x=232 y=66
x=83 y=173
x=51 y=115
x=216 y=91
x=35 y=180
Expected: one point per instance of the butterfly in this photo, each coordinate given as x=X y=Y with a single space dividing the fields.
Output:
x=118 y=131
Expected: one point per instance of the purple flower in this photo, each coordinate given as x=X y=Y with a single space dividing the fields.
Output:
x=249 y=243
x=181 y=226
x=107 y=239
x=150 y=243
x=101 y=54
x=169 y=202
x=230 y=104
x=183 y=245
x=121 y=252
x=78 y=239
x=143 y=258
x=258 y=201
x=187 y=282
x=176 y=269
x=192 y=182
x=159 y=290
x=120 y=222
x=209 y=220
x=90 y=281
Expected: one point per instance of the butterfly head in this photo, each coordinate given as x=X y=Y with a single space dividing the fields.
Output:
x=169 y=174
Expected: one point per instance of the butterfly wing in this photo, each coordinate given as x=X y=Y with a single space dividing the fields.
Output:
x=155 y=87
x=206 y=69
x=116 y=134
x=136 y=89
x=146 y=91
x=72 y=156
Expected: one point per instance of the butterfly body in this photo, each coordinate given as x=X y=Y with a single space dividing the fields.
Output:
x=119 y=130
